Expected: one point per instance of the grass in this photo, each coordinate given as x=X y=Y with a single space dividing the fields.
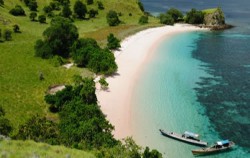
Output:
x=209 y=11
x=21 y=91
x=15 y=149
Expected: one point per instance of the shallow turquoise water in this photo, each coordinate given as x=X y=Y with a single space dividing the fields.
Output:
x=165 y=97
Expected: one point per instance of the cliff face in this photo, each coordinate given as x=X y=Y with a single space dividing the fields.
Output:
x=215 y=18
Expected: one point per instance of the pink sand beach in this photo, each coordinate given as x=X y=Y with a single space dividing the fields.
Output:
x=135 y=51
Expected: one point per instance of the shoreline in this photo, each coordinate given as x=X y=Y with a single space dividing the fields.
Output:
x=135 y=52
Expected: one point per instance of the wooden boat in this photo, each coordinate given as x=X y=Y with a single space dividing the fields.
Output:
x=187 y=137
x=217 y=147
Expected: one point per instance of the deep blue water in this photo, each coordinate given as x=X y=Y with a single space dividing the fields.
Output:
x=225 y=92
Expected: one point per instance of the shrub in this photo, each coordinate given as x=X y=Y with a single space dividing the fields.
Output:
x=1 y=2
x=143 y=19
x=42 y=18
x=16 y=28
x=47 y=9
x=104 y=84
x=5 y=126
x=100 y=5
x=17 y=11
x=66 y=11
x=33 y=16
x=141 y=6
x=39 y=129
x=93 y=13
x=7 y=35
x=175 y=14
x=113 y=42
x=33 y=5
x=80 y=9
x=166 y=19
x=89 y=2
x=194 y=17
x=112 y=18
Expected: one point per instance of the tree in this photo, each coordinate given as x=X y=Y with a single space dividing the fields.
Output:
x=66 y=12
x=33 y=5
x=16 y=28
x=100 y=5
x=5 y=126
x=112 y=18
x=42 y=18
x=17 y=11
x=93 y=13
x=143 y=19
x=80 y=9
x=153 y=154
x=89 y=2
x=58 y=38
x=7 y=35
x=39 y=129
x=166 y=19
x=113 y=42
x=141 y=6
x=33 y=16
x=27 y=2
x=1 y=2
x=175 y=14
x=194 y=17
x=0 y=34
x=104 y=83
x=47 y=9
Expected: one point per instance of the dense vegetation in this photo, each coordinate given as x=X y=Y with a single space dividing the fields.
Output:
x=23 y=84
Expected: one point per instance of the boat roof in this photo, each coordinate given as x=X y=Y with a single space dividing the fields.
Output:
x=191 y=134
x=223 y=142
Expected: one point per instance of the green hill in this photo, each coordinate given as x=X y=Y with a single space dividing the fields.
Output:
x=22 y=92
x=17 y=148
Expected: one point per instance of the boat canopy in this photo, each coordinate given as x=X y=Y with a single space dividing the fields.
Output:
x=190 y=134
x=223 y=142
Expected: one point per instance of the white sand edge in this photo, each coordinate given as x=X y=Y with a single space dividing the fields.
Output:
x=135 y=50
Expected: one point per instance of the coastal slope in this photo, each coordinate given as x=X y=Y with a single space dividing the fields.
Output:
x=134 y=53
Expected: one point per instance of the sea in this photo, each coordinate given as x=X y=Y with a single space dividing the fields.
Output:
x=197 y=81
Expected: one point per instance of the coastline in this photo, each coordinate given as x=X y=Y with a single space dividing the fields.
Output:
x=135 y=51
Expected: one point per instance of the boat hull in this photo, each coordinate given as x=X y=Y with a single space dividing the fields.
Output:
x=183 y=139
x=212 y=150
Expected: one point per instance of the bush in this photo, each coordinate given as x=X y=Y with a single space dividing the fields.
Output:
x=39 y=129
x=92 y=13
x=113 y=42
x=33 y=5
x=1 y=2
x=5 y=126
x=7 y=35
x=112 y=18
x=194 y=17
x=104 y=84
x=66 y=12
x=33 y=16
x=16 y=28
x=143 y=19
x=42 y=18
x=17 y=11
x=141 y=6
x=47 y=9
x=166 y=19
x=89 y=2
x=100 y=5
x=80 y=9
x=175 y=14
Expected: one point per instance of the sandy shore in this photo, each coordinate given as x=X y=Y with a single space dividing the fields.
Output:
x=135 y=51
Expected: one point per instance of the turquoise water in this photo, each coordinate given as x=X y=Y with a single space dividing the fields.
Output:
x=165 y=97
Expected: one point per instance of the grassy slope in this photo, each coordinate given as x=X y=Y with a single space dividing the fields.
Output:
x=21 y=91
x=209 y=11
x=14 y=149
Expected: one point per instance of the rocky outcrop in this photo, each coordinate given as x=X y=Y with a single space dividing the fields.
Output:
x=215 y=20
